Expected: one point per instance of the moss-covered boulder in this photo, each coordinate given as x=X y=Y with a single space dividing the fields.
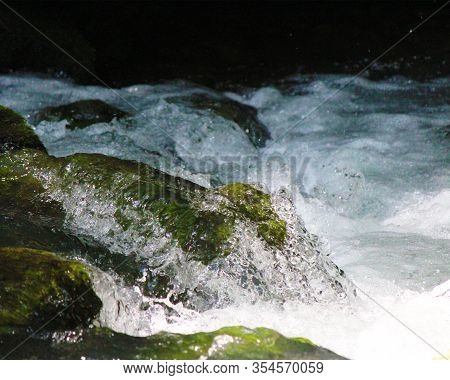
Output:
x=39 y=289
x=243 y=115
x=140 y=193
x=226 y=343
x=199 y=246
x=235 y=232
x=15 y=133
x=82 y=113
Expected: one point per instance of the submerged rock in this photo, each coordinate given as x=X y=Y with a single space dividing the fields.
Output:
x=39 y=289
x=15 y=133
x=243 y=115
x=227 y=343
x=82 y=113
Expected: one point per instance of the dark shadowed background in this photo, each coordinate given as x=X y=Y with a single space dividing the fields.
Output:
x=221 y=44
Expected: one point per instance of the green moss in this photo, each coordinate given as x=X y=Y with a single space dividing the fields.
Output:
x=203 y=235
x=30 y=217
x=27 y=177
x=15 y=133
x=260 y=343
x=22 y=195
x=256 y=206
x=226 y=343
x=82 y=113
x=140 y=192
x=38 y=287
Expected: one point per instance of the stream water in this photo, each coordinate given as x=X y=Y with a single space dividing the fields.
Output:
x=366 y=163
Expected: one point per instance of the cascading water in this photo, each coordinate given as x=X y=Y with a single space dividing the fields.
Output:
x=367 y=168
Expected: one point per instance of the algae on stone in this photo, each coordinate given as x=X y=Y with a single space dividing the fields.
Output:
x=227 y=343
x=201 y=233
x=174 y=202
x=39 y=289
x=82 y=113
x=15 y=133
x=255 y=205
x=22 y=194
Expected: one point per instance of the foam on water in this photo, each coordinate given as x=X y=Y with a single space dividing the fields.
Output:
x=371 y=179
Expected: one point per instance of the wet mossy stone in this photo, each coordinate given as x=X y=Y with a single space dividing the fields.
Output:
x=232 y=343
x=23 y=196
x=30 y=217
x=38 y=289
x=256 y=205
x=140 y=192
x=15 y=133
x=133 y=188
x=82 y=113
x=243 y=115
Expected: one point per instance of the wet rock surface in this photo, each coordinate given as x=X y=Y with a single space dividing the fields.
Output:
x=227 y=343
x=82 y=114
x=40 y=290
x=244 y=116
x=177 y=244
x=15 y=133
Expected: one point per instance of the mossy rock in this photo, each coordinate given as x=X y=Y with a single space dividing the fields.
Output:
x=227 y=343
x=38 y=289
x=15 y=133
x=43 y=234
x=164 y=225
x=243 y=115
x=30 y=217
x=140 y=192
x=22 y=195
x=256 y=205
x=82 y=113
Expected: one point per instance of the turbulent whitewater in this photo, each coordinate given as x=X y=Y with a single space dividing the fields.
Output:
x=365 y=163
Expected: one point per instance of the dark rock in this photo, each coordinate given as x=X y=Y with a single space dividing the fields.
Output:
x=446 y=132
x=30 y=217
x=174 y=202
x=15 y=133
x=41 y=290
x=82 y=113
x=243 y=115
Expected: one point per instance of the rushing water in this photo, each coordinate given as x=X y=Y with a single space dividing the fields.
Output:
x=366 y=163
